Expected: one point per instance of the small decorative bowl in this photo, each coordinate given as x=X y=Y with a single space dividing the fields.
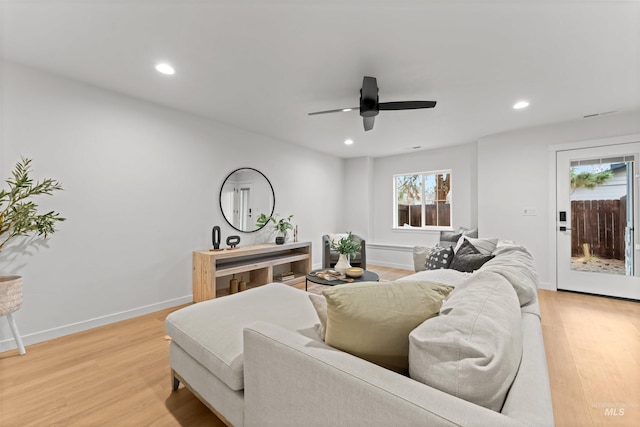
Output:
x=354 y=272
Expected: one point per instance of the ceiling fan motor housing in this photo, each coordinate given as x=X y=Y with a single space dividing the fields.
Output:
x=369 y=97
x=368 y=106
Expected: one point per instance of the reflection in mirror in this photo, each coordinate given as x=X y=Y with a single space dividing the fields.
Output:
x=245 y=194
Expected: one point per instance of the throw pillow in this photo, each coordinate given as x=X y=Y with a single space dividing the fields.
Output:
x=470 y=232
x=472 y=350
x=420 y=254
x=372 y=320
x=467 y=249
x=470 y=262
x=449 y=238
x=485 y=246
x=439 y=258
x=320 y=304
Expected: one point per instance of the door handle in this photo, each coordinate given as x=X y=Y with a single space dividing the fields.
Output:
x=563 y=228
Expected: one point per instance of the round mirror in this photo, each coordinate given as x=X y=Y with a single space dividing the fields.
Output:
x=245 y=194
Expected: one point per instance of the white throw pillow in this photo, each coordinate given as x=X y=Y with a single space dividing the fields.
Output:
x=472 y=350
x=335 y=238
x=485 y=246
x=420 y=254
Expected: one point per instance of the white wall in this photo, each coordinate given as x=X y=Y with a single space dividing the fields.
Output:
x=141 y=185
x=514 y=173
x=392 y=247
x=358 y=196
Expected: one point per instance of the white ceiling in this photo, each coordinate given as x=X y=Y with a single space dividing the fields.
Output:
x=263 y=65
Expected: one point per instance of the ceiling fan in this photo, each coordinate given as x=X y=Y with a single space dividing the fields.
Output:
x=370 y=107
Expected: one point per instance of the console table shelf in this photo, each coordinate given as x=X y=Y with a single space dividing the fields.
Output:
x=257 y=260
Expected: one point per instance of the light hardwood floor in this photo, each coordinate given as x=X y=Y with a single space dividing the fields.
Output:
x=118 y=375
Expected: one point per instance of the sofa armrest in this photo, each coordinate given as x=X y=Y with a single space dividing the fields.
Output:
x=293 y=380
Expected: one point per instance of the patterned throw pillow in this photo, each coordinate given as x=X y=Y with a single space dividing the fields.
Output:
x=439 y=258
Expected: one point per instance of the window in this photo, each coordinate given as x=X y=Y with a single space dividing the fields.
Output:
x=422 y=200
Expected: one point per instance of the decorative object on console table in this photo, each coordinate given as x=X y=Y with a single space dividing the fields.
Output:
x=233 y=285
x=285 y=276
x=242 y=286
x=233 y=241
x=19 y=218
x=215 y=237
x=282 y=225
x=347 y=248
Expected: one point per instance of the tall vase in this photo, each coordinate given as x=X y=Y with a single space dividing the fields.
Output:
x=342 y=264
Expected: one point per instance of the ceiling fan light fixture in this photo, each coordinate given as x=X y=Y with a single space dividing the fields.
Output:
x=520 y=105
x=348 y=141
x=165 y=68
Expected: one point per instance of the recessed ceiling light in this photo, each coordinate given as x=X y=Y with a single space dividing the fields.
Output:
x=520 y=105
x=347 y=109
x=348 y=142
x=165 y=69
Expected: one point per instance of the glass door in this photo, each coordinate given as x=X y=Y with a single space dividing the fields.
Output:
x=596 y=200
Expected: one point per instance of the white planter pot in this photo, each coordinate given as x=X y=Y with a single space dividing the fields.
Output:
x=342 y=264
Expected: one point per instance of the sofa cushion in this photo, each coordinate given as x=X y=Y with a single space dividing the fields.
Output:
x=485 y=246
x=420 y=254
x=466 y=248
x=470 y=232
x=372 y=320
x=472 y=350
x=211 y=331
x=449 y=238
x=320 y=304
x=515 y=263
x=439 y=258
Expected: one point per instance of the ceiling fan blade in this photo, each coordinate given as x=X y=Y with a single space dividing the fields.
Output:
x=406 y=105
x=368 y=122
x=339 y=110
x=369 y=88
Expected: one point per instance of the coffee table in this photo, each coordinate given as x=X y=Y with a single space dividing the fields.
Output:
x=367 y=276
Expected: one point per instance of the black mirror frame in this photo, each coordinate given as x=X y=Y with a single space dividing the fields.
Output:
x=273 y=194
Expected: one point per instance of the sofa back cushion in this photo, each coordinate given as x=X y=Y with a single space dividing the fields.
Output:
x=372 y=320
x=472 y=350
x=516 y=264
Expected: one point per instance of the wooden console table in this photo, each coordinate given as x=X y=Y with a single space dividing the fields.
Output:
x=259 y=261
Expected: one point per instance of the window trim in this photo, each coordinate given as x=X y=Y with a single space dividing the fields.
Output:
x=396 y=227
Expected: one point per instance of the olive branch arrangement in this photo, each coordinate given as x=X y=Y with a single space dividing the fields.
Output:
x=18 y=214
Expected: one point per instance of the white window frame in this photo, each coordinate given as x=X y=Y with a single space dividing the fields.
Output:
x=395 y=225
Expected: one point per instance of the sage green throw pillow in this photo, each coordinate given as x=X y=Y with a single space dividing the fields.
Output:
x=372 y=320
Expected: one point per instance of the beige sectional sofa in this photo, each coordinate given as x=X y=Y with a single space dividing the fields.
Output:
x=256 y=358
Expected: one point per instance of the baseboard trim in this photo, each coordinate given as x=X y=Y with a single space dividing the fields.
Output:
x=546 y=286
x=72 y=328
x=389 y=264
x=388 y=247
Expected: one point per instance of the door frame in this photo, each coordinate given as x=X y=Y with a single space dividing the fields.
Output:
x=553 y=208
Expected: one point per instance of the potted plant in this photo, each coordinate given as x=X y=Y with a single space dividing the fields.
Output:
x=19 y=217
x=282 y=225
x=346 y=247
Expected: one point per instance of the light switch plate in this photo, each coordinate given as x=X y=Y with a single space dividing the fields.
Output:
x=529 y=212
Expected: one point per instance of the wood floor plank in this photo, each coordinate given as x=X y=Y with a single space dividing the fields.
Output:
x=119 y=374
